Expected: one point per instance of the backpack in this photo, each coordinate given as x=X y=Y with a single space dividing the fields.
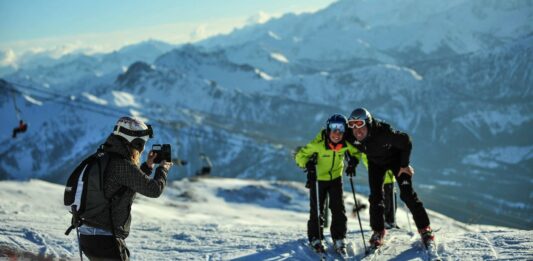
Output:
x=84 y=191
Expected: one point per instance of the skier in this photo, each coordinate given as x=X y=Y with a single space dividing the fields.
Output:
x=21 y=128
x=389 y=200
x=325 y=173
x=102 y=237
x=386 y=149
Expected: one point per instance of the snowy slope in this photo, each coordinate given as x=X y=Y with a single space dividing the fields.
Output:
x=229 y=219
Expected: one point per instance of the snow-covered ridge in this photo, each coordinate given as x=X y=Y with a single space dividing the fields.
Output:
x=221 y=219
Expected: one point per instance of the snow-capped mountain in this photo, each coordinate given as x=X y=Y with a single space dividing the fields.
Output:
x=250 y=97
x=388 y=31
x=77 y=69
x=223 y=219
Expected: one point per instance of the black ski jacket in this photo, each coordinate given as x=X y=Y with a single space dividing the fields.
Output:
x=383 y=144
x=123 y=180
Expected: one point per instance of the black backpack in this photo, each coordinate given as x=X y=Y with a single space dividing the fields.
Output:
x=84 y=191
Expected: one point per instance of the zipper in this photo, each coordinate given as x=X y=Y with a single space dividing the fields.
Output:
x=332 y=164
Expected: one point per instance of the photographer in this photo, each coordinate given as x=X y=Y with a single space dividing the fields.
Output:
x=103 y=236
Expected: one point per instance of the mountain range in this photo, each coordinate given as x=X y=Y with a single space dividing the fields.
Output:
x=455 y=75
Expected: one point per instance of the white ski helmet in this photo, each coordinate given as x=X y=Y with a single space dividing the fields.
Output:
x=134 y=130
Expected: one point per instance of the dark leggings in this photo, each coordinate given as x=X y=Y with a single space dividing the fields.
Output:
x=376 y=174
x=104 y=247
x=336 y=205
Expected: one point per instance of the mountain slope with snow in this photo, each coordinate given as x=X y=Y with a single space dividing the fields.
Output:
x=77 y=69
x=223 y=219
x=387 y=31
x=249 y=98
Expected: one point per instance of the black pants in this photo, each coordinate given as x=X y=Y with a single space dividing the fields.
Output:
x=390 y=203
x=15 y=131
x=376 y=175
x=336 y=205
x=104 y=248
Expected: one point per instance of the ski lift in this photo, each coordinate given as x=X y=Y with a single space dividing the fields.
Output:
x=23 y=126
x=206 y=166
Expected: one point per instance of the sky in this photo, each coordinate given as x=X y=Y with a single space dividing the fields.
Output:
x=103 y=26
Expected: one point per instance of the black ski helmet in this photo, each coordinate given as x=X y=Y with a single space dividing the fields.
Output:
x=336 y=118
x=361 y=114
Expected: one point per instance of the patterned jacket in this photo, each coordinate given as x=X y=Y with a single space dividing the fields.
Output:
x=122 y=182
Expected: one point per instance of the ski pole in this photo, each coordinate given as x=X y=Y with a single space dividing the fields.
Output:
x=318 y=210
x=79 y=244
x=358 y=217
x=394 y=202
x=408 y=218
x=318 y=217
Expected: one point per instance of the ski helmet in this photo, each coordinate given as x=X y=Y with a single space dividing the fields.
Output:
x=336 y=122
x=359 y=118
x=134 y=130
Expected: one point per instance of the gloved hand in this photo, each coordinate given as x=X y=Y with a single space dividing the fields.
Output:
x=310 y=168
x=352 y=164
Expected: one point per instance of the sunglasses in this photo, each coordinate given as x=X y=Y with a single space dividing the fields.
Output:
x=337 y=127
x=356 y=124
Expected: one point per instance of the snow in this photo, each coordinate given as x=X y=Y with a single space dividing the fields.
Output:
x=279 y=57
x=412 y=72
x=492 y=158
x=497 y=121
x=94 y=99
x=264 y=75
x=274 y=35
x=32 y=100
x=221 y=219
x=124 y=99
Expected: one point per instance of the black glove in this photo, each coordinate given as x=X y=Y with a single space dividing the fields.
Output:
x=310 y=168
x=352 y=164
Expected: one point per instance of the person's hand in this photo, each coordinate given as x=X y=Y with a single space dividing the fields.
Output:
x=310 y=168
x=166 y=165
x=352 y=165
x=311 y=174
x=407 y=170
x=150 y=160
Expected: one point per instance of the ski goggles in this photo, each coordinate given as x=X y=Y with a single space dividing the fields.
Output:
x=138 y=144
x=356 y=124
x=337 y=127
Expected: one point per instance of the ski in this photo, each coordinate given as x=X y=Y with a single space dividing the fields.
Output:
x=374 y=252
x=431 y=251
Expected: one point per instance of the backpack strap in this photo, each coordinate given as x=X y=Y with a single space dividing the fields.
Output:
x=75 y=222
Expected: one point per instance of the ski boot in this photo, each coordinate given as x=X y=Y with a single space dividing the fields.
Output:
x=340 y=246
x=428 y=238
x=317 y=246
x=376 y=240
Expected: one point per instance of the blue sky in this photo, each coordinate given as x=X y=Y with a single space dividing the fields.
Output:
x=106 y=25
